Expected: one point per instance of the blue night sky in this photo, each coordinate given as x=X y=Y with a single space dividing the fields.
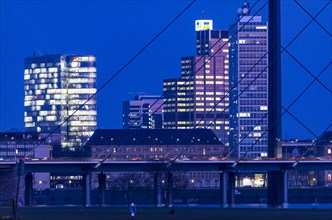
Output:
x=114 y=31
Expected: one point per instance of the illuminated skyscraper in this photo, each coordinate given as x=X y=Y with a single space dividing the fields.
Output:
x=200 y=96
x=143 y=112
x=55 y=86
x=249 y=98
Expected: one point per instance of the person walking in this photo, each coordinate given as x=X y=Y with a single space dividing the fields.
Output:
x=132 y=209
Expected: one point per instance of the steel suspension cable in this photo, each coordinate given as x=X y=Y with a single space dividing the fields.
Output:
x=306 y=11
x=205 y=62
x=306 y=69
x=188 y=80
x=255 y=79
x=119 y=71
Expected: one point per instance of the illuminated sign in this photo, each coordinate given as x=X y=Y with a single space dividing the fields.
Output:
x=203 y=25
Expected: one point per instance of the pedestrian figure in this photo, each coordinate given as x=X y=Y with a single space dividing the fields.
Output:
x=132 y=209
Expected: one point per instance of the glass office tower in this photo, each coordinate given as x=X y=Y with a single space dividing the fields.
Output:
x=200 y=97
x=55 y=86
x=145 y=111
x=249 y=77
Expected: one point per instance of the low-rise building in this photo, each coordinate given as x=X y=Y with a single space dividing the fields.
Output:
x=20 y=145
x=157 y=144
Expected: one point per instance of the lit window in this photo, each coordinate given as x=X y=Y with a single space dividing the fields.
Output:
x=75 y=64
x=257 y=134
x=244 y=114
x=263 y=108
x=261 y=27
x=257 y=128
x=263 y=154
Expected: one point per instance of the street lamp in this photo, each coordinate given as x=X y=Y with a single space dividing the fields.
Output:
x=192 y=181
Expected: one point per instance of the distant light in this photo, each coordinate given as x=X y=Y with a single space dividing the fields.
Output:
x=40 y=182
x=261 y=27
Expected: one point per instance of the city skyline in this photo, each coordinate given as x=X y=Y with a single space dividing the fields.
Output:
x=199 y=98
x=165 y=65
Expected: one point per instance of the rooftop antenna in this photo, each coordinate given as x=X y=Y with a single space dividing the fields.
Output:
x=246 y=8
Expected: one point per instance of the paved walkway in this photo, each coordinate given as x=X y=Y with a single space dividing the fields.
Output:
x=147 y=213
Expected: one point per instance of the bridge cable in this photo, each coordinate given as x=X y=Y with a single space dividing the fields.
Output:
x=188 y=80
x=263 y=71
x=120 y=70
x=285 y=110
x=317 y=22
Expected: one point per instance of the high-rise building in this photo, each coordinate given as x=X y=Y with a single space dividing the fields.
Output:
x=248 y=60
x=145 y=111
x=200 y=97
x=55 y=86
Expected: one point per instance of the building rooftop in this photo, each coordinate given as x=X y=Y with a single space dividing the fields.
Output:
x=153 y=137
x=20 y=136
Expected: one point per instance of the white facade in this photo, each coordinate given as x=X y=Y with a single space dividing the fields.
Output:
x=248 y=53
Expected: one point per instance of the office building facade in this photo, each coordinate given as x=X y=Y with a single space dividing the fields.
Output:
x=55 y=87
x=145 y=111
x=248 y=60
x=199 y=99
